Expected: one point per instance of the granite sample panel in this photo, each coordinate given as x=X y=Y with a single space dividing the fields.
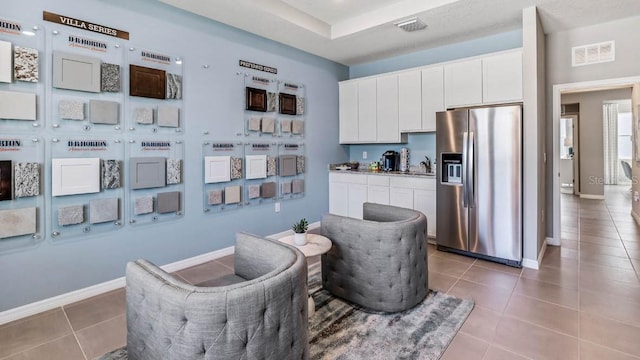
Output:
x=71 y=215
x=25 y=64
x=272 y=101
x=17 y=105
x=299 y=106
x=17 y=222
x=103 y=210
x=254 y=123
x=6 y=180
x=110 y=174
x=217 y=169
x=174 y=86
x=168 y=202
x=147 y=82
x=297 y=127
x=256 y=99
x=215 y=197
x=27 y=179
x=256 y=166
x=288 y=165
x=147 y=172
x=5 y=62
x=268 y=125
x=70 y=176
x=110 y=79
x=268 y=190
x=254 y=191
x=104 y=112
x=300 y=163
x=76 y=72
x=297 y=186
x=236 y=168
x=143 y=115
x=143 y=205
x=71 y=109
x=286 y=187
x=285 y=125
x=232 y=194
x=272 y=165
x=174 y=171
x=168 y=116
x=287 y=104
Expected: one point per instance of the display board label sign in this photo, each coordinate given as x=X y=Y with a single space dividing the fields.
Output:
x=10 y=145
x=155 y=145
x=87 y=145
x=259 y=67
x=10 y=27
x=84 y=25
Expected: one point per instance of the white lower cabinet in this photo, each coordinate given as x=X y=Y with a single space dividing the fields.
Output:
x=378 y=194
x=425 y=202
x=347 y=193
x=401 y=197
x=357 y=197
x=338 y=198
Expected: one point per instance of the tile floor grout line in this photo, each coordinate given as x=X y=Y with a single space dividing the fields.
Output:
x=35 y=346
x=75 y=336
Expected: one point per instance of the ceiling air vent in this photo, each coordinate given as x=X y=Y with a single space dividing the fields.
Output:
x=593 y=53
x=410 y=25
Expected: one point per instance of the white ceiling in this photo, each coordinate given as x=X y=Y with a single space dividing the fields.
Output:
x=358 y=31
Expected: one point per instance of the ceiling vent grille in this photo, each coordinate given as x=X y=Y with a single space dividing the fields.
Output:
x=593 y=53
x=410 y=25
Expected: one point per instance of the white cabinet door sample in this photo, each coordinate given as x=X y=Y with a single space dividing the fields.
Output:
x=76 y=72
x=256 y=166
x=217 y=169
x=410 y=100
x=348 y=104
x=70 y=176
x=6 y=59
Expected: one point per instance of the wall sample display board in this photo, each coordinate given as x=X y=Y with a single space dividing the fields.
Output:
x=292 y=109
x=156 y=187
x=223 y=169
x=291 y=170
x=260 y=183
x=86 y=193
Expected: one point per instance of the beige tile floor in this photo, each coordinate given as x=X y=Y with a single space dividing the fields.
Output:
x=584 y=302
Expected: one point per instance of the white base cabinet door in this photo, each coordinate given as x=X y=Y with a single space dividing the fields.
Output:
x=378 y=194
x=338 y=198
x=401 y=197
x=425 y=202
x=357 y=197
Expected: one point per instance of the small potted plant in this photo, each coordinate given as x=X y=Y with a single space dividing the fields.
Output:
x=300 y=232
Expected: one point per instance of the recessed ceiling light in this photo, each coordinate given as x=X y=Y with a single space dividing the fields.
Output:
x=411 y=24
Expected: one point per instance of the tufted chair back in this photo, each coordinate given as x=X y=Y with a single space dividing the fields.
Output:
x=264 y=317
x=380 y=262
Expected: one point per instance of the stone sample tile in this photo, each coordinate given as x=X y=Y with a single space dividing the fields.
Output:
x=285 y=126
x=104 y=112
x=17 y=222
x=110 y=81
x=254 y=191
x=27 y=179
x=236 y=168
x=285 y=187
x=288 y=165
x=168 y=202
x=168 y=116
x=6 y=180
x=103 y=210
x=299 y=105
x=272 y=100
x=143 y=205
x=254 y=123
x=297 y=127
x=143 y=115
x=215 y=197
x=268 y=125
x=110 y=174
x=71 y=109
x=297 y=186
x=17 y=105
x=25 y=64
x=174 y=171
x=71 y=215
x=232 y=194
x=272 y=165
x=174 y=86
x=300 y=162
x=5 y=61
x=268 y=190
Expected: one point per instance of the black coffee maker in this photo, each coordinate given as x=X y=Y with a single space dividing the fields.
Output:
x=390 y=160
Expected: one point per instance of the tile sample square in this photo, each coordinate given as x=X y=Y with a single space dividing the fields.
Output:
x=76 y=72
x=272 y=165
x=70 y=176
x=168 y=202
x=285 y=187
x=25 y=64
x=147 y=172
x=285 y=125
x=174 y=86
x=6 y=180
x=70 y=215
x=17 y=222
x=300 y=162
x=5 y=62
x=110 y=174
x=104 y=112
x=256 y=166
x=168 y=116
x=236 y=168
x=143 y=115
x=147 y=82
x=299 y=106
x=268 y=190
x=110 y=77
x=27 y=179
x=287 y=104
x=268 y=125
x=254 y=191
x=71 y=109
x=215 y=197
x=17 y=105
x=174 y=171
x=143 y=205
x=297 y=186
x=217 y=169
x=297 y=127
x=232 y=194
x=287 y=165
x=256 y=99
x=272 y=100
x=254 y=123
x=103 y=210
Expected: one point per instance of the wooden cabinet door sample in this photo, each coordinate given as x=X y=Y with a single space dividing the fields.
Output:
x=147 y=82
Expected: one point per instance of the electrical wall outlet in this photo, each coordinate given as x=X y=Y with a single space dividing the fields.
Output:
x=364 y=155
x=277 y=207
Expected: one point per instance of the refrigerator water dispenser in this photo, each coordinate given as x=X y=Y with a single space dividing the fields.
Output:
x=451 y=168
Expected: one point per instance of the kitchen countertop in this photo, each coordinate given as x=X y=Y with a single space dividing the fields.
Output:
x=386 y=173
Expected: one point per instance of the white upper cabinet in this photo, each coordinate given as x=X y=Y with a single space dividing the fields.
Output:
x=502 y=77
x=410 y=101
x=348 y=98
x=367 y=110
x=463 y=83
x=387 y=109
x=432 y=96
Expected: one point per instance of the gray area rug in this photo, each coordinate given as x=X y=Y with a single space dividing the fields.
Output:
x=341 y=330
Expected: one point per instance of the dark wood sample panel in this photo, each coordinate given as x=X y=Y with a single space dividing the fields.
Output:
x=256 y=99
x=147 y=82
x=287 y=104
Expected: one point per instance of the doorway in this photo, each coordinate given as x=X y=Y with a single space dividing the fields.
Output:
x=569 y=155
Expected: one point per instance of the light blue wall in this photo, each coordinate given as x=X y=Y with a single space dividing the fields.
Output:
x=213 y=101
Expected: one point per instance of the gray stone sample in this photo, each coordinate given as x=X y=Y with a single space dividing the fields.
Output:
x=18 y=105
x=110 y=174
x=168 y=202
x=272 y=100
x=143 y=115
x=254 y=191
x=297 y=127
x=174 y=86
x=174 y=170
x=71 y=215
x=25 y=64
x=110 y=80
x=104 y=112
x=71 y=109
x=236 y=168
x=297 y=186
x=268 y=125
x=299 y=105
x=215 y=197
x=286 y=187
x=268 y=190
x=103 y=210
x=272 y=165
x=254 y=123
x=27 y=179
x=285 y=126
x=143 y=205
x=300 y=162
x=17 y=222
x=168 y=116
x=232 y=194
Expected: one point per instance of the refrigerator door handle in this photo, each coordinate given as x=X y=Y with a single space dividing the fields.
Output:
x=465 y=164
x=471 y=196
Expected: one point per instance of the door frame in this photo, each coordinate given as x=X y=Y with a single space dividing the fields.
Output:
x=558 y=89
x=575 y=164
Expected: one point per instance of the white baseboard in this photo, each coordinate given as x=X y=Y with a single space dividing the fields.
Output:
x=592 y=197
x=535 y=264
x=553 y=241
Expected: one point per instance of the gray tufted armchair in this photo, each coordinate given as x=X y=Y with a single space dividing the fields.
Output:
x=380 y=262
x=264 y=317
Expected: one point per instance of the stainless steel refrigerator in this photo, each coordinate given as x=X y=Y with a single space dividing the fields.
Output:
x=479 y=187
